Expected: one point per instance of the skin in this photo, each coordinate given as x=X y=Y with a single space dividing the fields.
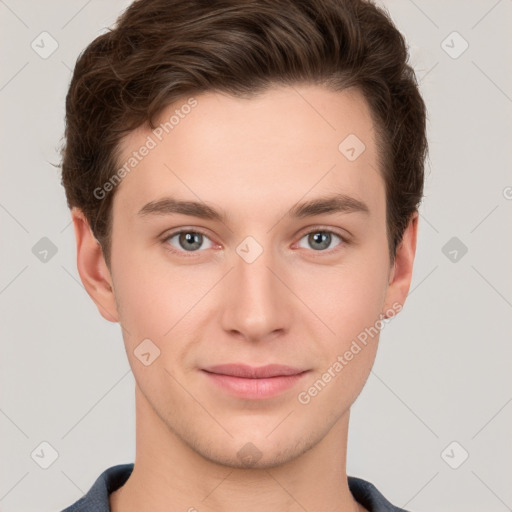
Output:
x=295 y=305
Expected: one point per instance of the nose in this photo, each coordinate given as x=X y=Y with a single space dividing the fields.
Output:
x=257 y=304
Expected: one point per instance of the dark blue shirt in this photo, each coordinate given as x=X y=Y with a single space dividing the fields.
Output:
x=96 y=500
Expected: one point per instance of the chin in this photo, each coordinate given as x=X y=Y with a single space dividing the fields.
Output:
x=253 y=451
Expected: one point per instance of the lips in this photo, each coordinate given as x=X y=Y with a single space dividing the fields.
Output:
x=254 y=383
x=252 y=372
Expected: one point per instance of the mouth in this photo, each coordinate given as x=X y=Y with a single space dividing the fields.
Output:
x=254 y=383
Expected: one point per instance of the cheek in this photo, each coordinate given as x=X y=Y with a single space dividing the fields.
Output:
x=141 y=293
x=346 y=298
x=157 y=299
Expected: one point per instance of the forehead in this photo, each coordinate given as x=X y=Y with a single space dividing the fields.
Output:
x=288 y=143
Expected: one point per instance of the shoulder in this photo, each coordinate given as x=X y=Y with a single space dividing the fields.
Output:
x=96 y=499
x=370 y=497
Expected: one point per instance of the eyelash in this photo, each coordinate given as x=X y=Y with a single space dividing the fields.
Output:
x=187 y=254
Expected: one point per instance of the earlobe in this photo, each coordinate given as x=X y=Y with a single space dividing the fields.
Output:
x=92 y=268
x=401 y=274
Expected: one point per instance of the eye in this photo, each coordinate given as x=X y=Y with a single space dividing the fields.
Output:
x=190 y=241
x=186 y=241
x=321 y=239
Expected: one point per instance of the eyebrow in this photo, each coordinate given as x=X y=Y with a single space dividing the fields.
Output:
x=337 y=203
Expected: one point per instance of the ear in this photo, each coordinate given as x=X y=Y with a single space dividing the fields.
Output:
x=401 y=273
x=92 y=268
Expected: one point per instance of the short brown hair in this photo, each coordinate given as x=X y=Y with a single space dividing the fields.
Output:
x=161 y=50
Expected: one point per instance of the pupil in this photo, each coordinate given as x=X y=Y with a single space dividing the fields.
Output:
x=321 y=236
x=193 y=238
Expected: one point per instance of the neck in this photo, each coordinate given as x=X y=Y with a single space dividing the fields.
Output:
x=170 y=475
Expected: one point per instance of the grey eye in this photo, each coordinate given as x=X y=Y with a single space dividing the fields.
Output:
x=188 y=241
x=320 y=240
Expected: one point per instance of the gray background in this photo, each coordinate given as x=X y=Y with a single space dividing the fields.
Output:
x=442 y=373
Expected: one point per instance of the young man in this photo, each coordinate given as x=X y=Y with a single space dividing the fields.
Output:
x=244 y=179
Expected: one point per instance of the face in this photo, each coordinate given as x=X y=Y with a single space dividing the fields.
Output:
x=253 y=277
